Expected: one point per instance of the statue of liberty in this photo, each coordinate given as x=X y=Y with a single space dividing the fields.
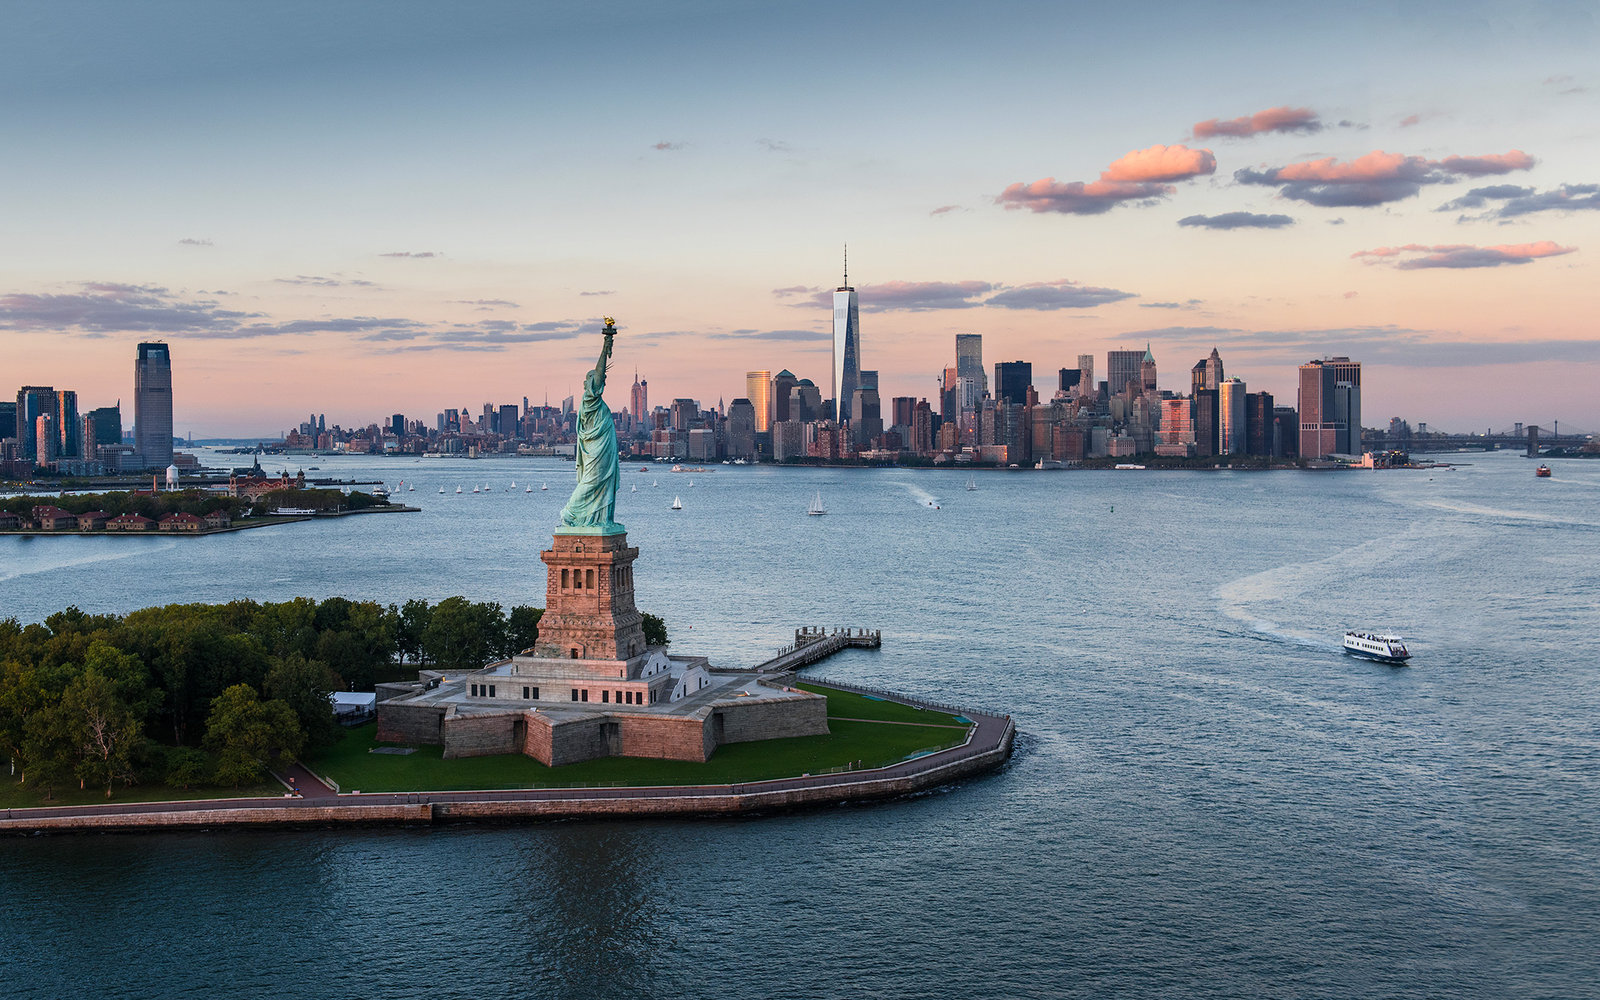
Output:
x=594 y=500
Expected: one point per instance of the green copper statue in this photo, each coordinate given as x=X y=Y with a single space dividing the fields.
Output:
x=593 y=505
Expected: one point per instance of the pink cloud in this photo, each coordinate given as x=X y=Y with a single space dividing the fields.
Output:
x=1419 y=256
x=1377 y=177
x=1161 y=163
x=1280 y=119
x=1136 y=177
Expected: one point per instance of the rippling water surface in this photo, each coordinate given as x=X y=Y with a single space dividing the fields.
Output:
x=1208 y=798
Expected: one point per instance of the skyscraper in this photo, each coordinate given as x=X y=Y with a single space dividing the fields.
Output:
x=639 y=401
x=1231 y=408
x=1330 y=407
x=1147 y=369
x=783 y=384
x=69 y=428
x=33 y=401
x=969 y=361
x=758 y=389
x=152 y=406
x=1122 y=367
x=1011 y=381
x=1085 y=373
x=846 y=344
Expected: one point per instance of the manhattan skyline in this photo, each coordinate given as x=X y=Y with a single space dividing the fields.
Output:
x=415 y=207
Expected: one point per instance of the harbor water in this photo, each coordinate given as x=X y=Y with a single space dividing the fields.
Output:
x=1208 y=799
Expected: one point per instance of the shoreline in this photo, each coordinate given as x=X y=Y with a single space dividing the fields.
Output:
x=988 y=746
x=268 y=522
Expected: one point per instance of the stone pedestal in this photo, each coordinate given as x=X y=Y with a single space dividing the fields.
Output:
x=588 y=610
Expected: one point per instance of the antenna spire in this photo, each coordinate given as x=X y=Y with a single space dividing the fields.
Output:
x=847 y=265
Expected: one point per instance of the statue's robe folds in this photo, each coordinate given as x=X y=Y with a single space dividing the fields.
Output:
x=594 y=500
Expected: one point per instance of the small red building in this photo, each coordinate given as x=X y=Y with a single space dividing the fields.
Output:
x=130 y=522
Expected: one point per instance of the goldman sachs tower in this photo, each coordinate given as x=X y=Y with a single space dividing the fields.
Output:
x=846 y=344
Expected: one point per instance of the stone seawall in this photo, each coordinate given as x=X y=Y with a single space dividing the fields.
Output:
x=904 y=778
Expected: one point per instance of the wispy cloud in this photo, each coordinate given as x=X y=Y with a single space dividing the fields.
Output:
x=1376 y=178
x=773 y=145
x=98 y=308
x=320 y=281
x=486 y=303
x=1169 y=305
x=412 y=254
x=1417 y=257
x=189 y=242
x=1140 y=177
x=1279 y=119
x=1237 y=220
x=947 y=209
x=1517 y=201
x=926 y=296
x=668 y=147
x=605 y=291
x=1052 y=295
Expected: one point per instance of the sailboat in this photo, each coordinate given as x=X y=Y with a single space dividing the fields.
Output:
x=972 y=482
x=691 y=482
x=513 y=484
x=816 y=509
x=654 y=483
x=528 y=489
x=441 y=491
x=544 y=486
x=677 y=503
x=634 y=488
x=476 y=490
x=458 y=489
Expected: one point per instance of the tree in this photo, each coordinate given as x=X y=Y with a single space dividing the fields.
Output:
x=655 y=630
x=304 y=685
x=455 y=638
x=410 y=621
x=249 y=736
x=522 y=628
x=104 y=731
x=187 y=766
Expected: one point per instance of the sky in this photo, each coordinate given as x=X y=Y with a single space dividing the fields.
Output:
x=364 y=209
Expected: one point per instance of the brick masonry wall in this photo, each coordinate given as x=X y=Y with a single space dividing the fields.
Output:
x=481 y=735
x=665 y=737
x=417 y=724
x=768 y=719
x=574 y=740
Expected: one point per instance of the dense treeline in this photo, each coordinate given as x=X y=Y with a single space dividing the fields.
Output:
x=218 y=693
x=197 y=502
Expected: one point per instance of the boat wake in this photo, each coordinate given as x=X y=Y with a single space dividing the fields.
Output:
x=60 y=561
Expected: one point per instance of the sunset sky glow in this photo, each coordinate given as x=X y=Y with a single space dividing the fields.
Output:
x=362 y=209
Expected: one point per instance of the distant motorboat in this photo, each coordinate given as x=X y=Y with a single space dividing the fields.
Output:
x=1543 y=472
x=816 y=509
x=677 y=503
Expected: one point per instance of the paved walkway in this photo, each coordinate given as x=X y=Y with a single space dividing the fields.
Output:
x=989 y=733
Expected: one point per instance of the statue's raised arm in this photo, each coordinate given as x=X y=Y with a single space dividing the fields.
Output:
x=593 y=504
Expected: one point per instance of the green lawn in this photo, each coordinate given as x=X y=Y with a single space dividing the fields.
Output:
x=14 y=795
x=848 y=705
x=873 y=744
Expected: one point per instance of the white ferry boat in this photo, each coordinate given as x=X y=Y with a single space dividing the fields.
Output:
x=1387 y=648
